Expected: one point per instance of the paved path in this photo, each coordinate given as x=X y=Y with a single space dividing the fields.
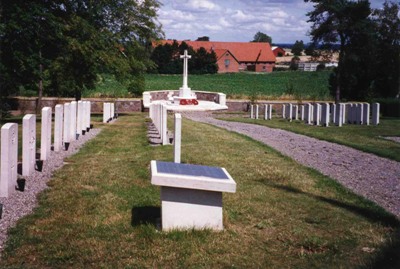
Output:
x=373 y=177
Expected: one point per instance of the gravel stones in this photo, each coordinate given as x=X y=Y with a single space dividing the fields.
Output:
x=373 y=177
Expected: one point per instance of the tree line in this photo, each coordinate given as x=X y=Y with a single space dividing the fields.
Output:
x=59 y=47
x=369 y=46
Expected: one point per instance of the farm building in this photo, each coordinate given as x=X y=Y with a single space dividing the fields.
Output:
x=233 y=57
x=278 y=51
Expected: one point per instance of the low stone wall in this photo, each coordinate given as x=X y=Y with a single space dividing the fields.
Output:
x=29 y=104
x=129 y=105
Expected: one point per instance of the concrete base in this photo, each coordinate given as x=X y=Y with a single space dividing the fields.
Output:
x=190 y=208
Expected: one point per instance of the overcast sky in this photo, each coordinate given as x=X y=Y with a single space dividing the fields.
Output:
x=237 y=20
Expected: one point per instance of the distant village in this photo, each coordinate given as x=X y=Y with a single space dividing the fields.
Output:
x=233 y=57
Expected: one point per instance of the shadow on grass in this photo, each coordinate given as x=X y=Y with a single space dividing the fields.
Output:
x=387 y=256
x=150 y=215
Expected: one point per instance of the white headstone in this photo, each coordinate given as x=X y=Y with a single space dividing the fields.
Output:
x=67 y=123
x=375 y=113
x=9 y=159
x=270 y=111
x=164 y=135
x=112 y=113
x=290 y=112
x=45 y=135
x=256 y=112
x=284 y=111
x=28 y=144
x=58 y=128
x=80 y=119
x=222 y=99
x=317 y=114
x=325 y=114
x=251 y=111
x=302 y=110
x=177 y=138
x=73 y=136
x=360 y=114
x=366 y=110
x=333 y=109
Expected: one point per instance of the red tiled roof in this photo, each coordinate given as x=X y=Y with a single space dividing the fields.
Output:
x=242 y=51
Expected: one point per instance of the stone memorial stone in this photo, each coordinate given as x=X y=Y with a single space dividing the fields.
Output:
x=191 y=195
x=73 y=136
x=366 y=111
x=325 y=115
x=45 y=135
x=251 y=111
x=375 y=113
x=80 y=119
x=333 y=113
x=317 y=114
x=256 y=114
x=164 y=134
x=28 y=144
x=9 y=159
x=106 y=112
x=58 y=130
x=177 y=138
x=359 y=114
x=67 y=125
x=270 y=111
x=290 y=112
x=284 y=111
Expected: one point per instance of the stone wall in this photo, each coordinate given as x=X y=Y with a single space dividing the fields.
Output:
x=128 y=105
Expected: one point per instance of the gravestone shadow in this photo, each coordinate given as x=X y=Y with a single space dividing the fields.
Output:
x=150 y=215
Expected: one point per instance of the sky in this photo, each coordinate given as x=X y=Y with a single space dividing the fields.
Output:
x=237 y=20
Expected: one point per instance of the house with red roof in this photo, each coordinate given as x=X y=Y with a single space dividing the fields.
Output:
x=233 y=57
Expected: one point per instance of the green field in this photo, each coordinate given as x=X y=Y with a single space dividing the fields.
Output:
x=101 y=211
x=276 y=85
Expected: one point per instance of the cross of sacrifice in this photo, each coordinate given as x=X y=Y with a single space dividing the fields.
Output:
x=185 y=58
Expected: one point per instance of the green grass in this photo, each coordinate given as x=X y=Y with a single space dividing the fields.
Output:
x=282 y=215
x=276 y=85
x=292 y=85
x=366 y=138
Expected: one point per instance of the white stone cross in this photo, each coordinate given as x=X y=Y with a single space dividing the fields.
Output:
x=185 y=58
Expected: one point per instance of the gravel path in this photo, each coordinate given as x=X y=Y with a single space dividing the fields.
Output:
x=373 y=177
x=20 y=204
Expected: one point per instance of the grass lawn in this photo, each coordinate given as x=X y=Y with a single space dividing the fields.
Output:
x=282 y=85
x=362 y=137
x=282 y=215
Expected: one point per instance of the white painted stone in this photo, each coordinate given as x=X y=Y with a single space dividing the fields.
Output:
x=58 y=128
x=290 y=112
x=28 y=144
x=191 y=201
x=266 y=112
x=45 y=135
x=67 y=123
x=80 y=119
x=333 y=110
x=222 y=99
x=164 y=134
x=256 y=112
x=73 y=135
x=106 y=111
x=302 y=111
x=112 y=113
x=296 y=112
x=251 y=111
x=9 y=159
x=270 y=111
x=87 y=113
x=177 y=138
x=146 y=99
x=366 y=112
x=317 y=114
x=325 y=115
x=284 y=111
x=375 y=113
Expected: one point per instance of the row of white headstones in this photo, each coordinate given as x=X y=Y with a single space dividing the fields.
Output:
x=70 y=121
x=158 y=114
x=324 y=113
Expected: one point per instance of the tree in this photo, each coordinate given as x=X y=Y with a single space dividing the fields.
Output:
x=66 y=43
x=203 y=38
x=261 y=37
x=298 y=48
x=348 y=23
x=387 y=82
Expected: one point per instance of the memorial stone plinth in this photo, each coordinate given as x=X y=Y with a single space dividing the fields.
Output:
x=191 y=195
